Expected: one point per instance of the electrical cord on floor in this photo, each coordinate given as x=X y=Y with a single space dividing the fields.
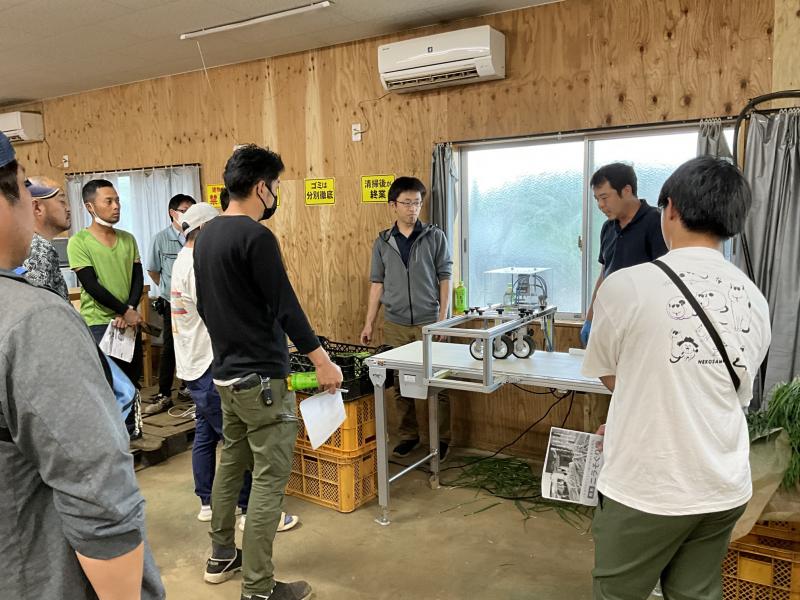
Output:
x=519 y=437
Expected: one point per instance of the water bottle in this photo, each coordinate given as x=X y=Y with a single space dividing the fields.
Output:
x=302 y=381
x=460 y=299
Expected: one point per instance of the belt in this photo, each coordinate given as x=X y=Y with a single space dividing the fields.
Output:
x=249 y=382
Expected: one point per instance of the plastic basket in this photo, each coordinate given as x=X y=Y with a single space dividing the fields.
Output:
x=340 y=483
x=761 y=568
x=354 y=435
x=779 y=530
x=351 y=360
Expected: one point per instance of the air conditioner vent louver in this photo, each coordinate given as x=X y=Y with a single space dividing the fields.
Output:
x=433 y=80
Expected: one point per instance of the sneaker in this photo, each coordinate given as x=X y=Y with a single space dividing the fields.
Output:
x=444 y=451
x=287 y=522
x=242 y=522
x=153 y=399
x=205 y=513
x=219 y=570
x=405 y=447
x=184 y=395
x=296 y=590
x=153 y=409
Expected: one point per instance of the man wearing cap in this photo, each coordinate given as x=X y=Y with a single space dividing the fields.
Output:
x=166 y=245
x=51 y=216
x=72 y=524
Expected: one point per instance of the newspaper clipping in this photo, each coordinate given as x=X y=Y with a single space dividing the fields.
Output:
x=573 y=463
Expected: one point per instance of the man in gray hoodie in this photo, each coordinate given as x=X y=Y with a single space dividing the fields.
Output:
x=410 y=274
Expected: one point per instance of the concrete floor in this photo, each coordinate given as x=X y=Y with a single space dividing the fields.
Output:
x=427 y=553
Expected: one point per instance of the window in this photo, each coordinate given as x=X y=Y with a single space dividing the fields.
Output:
x=529 y=205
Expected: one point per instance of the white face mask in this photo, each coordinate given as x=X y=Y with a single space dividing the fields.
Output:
x=100 y=221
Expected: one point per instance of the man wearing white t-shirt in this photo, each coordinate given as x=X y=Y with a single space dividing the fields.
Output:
x=193 y=356
x=676 y=475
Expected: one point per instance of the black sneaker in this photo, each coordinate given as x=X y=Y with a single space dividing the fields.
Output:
x=219 y=570
x=405 y=447
x=153 y=399
x=184 y=395
x=296 y=590
x=444 y=451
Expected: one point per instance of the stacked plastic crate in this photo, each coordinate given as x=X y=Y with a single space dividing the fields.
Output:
x=764 y=564
x=342 y=473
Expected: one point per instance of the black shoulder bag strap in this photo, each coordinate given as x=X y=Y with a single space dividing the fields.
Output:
x=712 y=331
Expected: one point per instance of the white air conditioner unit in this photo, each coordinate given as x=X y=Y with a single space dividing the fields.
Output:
x=22 y=126
x=454 y=58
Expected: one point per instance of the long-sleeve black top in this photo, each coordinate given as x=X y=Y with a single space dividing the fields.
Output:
x=246 y=300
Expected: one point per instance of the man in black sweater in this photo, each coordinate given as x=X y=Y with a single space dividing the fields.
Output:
x=249 y=307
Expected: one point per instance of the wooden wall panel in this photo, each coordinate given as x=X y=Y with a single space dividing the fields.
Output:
x=572 y=65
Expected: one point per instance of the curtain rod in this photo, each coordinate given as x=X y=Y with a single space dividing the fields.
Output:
x=578 y=132
x=72 y=173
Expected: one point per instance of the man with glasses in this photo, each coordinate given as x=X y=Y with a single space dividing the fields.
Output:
x=410 y=274
x=166 y=245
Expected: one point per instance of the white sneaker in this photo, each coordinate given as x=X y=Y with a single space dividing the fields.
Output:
x=204 y=514
x=242 y=521
x=287 y=522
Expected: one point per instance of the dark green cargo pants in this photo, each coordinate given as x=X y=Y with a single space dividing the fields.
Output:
x=633 y=549
x=261 y=438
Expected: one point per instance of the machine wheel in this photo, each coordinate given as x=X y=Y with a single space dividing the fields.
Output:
x=476 y=349
x=524 y=348
x=503 y=347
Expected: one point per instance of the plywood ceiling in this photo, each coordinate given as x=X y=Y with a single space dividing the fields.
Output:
x=52 y=48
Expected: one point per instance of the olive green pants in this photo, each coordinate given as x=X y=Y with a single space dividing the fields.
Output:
x=399 y=335
x=261 y=438
x=634 y=549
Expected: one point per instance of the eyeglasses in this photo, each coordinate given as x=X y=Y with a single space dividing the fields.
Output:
x=409 y=204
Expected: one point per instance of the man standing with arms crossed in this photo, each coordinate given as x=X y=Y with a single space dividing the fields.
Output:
x=247 y=302
x=410 y=274
x=632 y=233
x=167 y=243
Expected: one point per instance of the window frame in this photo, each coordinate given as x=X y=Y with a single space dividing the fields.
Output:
x=461 y=226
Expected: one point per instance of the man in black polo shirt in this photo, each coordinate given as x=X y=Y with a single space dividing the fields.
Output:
x=632 y=233
x=249 y=307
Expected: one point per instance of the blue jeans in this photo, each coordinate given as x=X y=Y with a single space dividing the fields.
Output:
x=207 y=434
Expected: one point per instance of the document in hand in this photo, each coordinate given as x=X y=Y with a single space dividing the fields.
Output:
x=119 y=343
x=572 y=466
x=322 y=415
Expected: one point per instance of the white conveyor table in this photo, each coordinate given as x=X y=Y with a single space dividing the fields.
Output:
x=452 y=365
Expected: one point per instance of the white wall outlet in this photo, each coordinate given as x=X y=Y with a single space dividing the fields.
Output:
x=355 y=132
x=65 y=161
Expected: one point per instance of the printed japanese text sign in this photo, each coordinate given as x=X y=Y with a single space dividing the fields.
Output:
x=375 y=188
x=320 y=191
x=212 y=195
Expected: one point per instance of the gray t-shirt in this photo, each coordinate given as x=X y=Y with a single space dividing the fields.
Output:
x=66 y=473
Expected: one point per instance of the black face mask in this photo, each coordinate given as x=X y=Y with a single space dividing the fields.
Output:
x=268 y=212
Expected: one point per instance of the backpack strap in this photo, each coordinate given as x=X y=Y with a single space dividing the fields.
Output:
x=703 y=318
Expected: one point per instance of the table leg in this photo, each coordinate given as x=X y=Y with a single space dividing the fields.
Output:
x=433 y=434
x=378 y=377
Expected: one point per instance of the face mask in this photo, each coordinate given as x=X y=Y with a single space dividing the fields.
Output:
x=100 y=221
x=268 y=212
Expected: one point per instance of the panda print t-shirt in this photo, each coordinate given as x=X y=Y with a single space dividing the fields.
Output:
x=676 y=440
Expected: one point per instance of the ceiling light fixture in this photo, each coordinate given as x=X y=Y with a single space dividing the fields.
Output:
x=256 y=20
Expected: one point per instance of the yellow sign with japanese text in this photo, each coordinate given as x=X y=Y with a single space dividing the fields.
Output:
x=320 y=191
x=212 y=195
x=375 y=188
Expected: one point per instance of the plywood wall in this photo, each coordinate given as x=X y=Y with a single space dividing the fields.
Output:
x=571 y=65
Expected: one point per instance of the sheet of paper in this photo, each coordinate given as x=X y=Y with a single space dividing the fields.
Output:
x=322 y=415
x=119 y=343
